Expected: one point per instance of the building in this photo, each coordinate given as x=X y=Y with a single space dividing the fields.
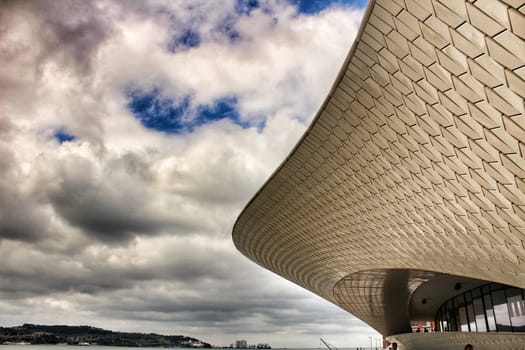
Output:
x=241 y=344
x=404 y=201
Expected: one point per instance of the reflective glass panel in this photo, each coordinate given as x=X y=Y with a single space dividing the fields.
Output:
x=491 y=321
x=451 y=317
x=462 y=320
x=470 y=313
x=501 y=311
x=516 y=306
x=462 y=312
x=479 y=315
x=489 y=308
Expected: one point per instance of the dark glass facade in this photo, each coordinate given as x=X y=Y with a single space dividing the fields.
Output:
x=489 y=308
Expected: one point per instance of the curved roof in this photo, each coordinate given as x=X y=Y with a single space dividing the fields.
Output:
x=414 y=166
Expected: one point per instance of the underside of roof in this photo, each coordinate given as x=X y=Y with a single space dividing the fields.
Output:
x=413 y=168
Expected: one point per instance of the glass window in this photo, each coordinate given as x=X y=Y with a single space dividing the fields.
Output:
x=486 y=289
x=470 y=312
x=451 y=317
x=494 y=287
x=501 y=311
x=462 y=320
x=479 y=312
x=491 y=321
x=516 y=306
x=489 y=308
x=444 y=326
x=439 y=320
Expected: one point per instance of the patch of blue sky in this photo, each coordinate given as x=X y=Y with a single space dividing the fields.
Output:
x=187 y=39
x=190 y=36
x=316 y=6
x=222 y=108
x=227 y=29
x=158 y=113
x=245 y=7
x=63 y=136
x=178 y=117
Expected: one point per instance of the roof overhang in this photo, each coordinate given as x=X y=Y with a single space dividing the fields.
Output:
x=412 y=169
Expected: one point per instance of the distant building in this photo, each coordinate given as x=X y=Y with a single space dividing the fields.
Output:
x=405 y=199
x=241 y=344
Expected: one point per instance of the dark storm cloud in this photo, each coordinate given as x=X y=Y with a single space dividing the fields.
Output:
x=39 y=274
x=20 y=216
x=93 y=203
x=18 y=287
x=33 y=274
x=219 y=298
x=106 y=213
x=235 y=305
x=111 y=201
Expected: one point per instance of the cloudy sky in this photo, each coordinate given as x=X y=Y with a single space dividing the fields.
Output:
x=132 y=133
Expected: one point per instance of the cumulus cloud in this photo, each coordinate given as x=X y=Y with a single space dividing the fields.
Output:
x=109 y=221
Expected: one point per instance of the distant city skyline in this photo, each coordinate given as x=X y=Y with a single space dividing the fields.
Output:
x=131 y=136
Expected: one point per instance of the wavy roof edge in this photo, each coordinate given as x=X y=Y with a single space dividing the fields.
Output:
x=339 y=77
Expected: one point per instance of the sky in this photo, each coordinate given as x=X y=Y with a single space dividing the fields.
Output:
x=132 y=134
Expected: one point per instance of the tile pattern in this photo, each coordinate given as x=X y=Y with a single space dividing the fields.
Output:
x=415 y=161
x=381 y=297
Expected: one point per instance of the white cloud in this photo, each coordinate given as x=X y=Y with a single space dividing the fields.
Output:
x=129 y=227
